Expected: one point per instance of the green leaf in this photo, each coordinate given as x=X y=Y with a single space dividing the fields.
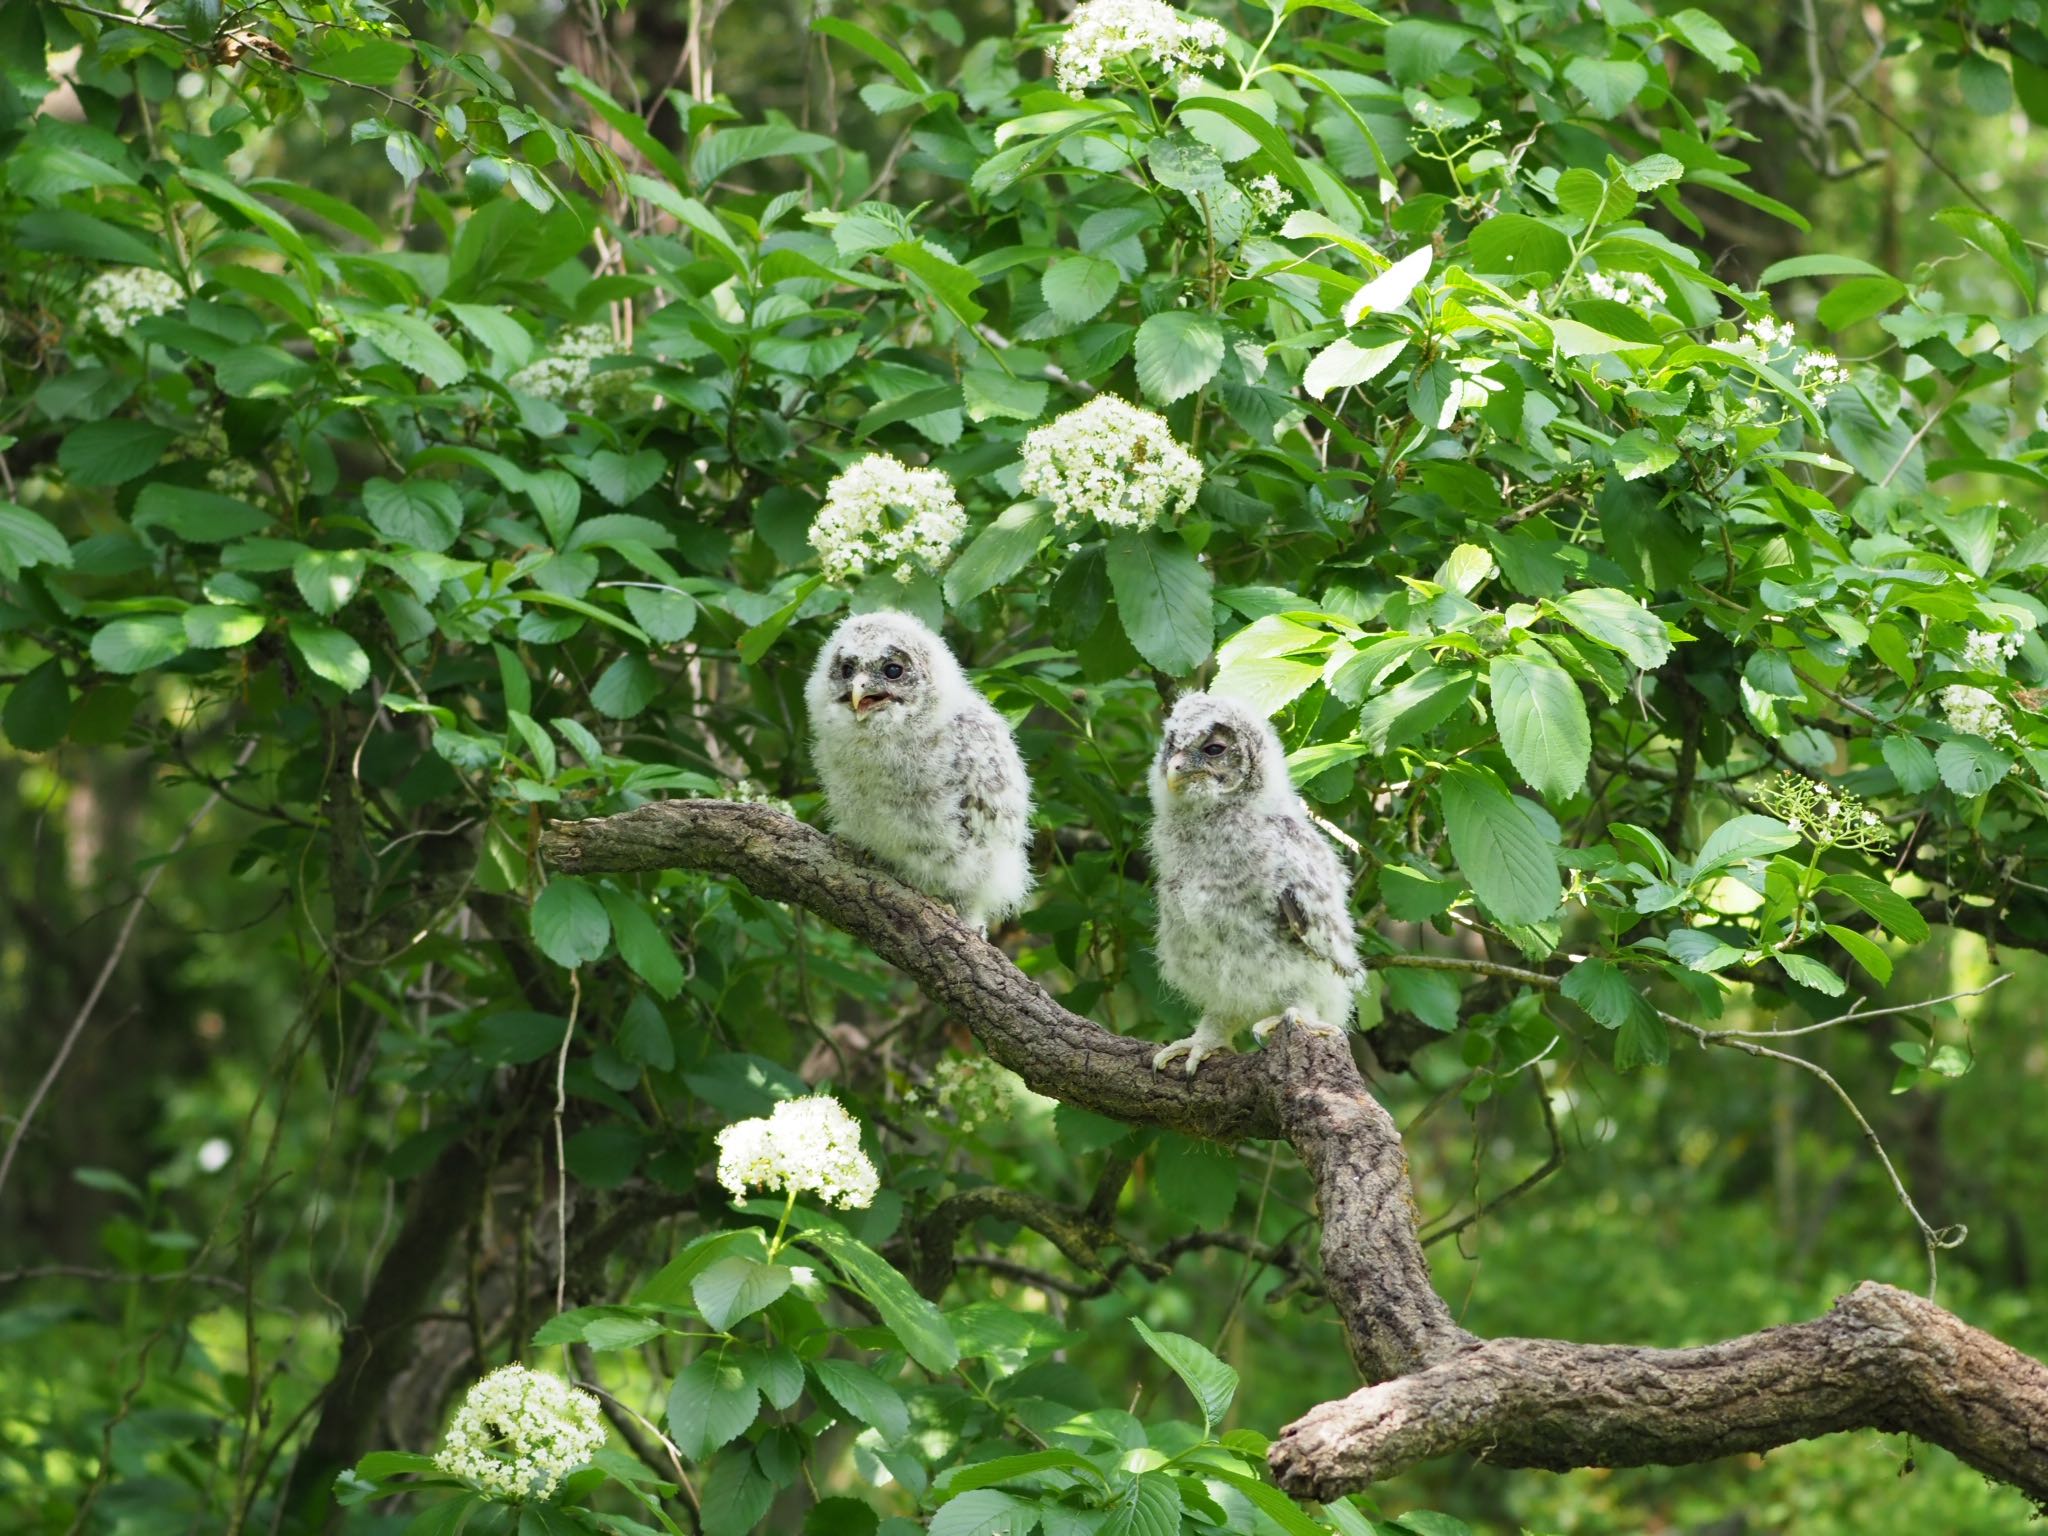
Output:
x=1592 y=198
x=738 y=1287
x=412 y=342
x=1515 y=245
x=621 y=478
x=1076 y=288
x=331 y=654
x=642 y=945
x=1617 y=620
x=1212 y=1382
x=755 y=643
x=1602 y=990
x=1741 y=838
x=1878 y=900
x=38 y=709
x=1811 y=973
x=1162 y=599
x=137 y=644
x=729 y=148
x=1911 y=763
x=1271 y=1502
x=1863 y=951
x=667 y=616
x=625 y=688
x=984 y=1512
x=1178 y=351
x=1858 y=299
x=1390 y=290
x=569 y=922
x=419 y=513
x=1151 y=1508
x=112 y=452
x=328 y=578
x=209 y=627
x=1608 y=85
x=1986 y=87
x=1543 y=724
x=1511 y=866
x=1970 y=765
x=916 y=1322
x=28 y=539
x=866 y=1396
x=670 y=1286
x=196 y=516
x=1818 y=266
x=1640 y=452
x=1711 y=41
x=711 y=1404
x=1417 y=49
x=940 y=275
x=999 y=551
x=1004 y=1469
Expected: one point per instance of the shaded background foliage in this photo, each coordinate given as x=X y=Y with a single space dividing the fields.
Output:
x=318 y=1091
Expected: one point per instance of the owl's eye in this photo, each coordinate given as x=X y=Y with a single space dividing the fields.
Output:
x=1213 y=749
x=846 y=669
x=893 y=671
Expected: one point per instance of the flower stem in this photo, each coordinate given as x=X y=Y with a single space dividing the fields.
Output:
x=775 y=1243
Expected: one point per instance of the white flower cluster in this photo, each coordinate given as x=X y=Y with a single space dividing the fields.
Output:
x=1974 y=711
x=1112 y=461
x=1268 y=196
x=1821 y=374
x=1825 y=815
x=880 y=514
x=1766 y=334
x=518 y=1433
x=114 y=301
x=564 y=375
x=1102 y=32
x=1628 y=288
x=1987 y=651
x=807 y=1146
x=747 y=792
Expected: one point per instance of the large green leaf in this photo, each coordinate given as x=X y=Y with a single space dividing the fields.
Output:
x=738 y=1287
x=112 y=452
x=1162 y=596
x=915 y=1322
x=711 y=1403
x=1212 y=1382
x=1178 y=351
x=866 y=1396
x=569 y=922
x=1543 y=722
x=331 y=653
x=999 y=551
x=1616 y=619
x=1511 y=866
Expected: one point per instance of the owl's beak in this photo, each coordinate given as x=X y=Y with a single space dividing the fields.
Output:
x=1176 y=772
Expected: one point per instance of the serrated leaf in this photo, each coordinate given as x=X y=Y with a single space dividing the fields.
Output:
x=866 y=1396
x=1510 y=866
x=1078 y=288
x=1344 y=364
x=569 y=922
x=999 y=551
x=711 y=1403
x=667 y=616
x=331 y=653
x=1863 y=951
x=1811 y=973
x=412 y=342
x=625 y=688
x=1608 y=85
x=112 y=452
x=328 y=578
x=1390 y=289
x=1617 y=620
x=418 y=512
x=1212 y=1382
x=211 y=627
x=196 y=516
x=984 y=1512
x=1162 y=598
x=915 y=1321
x=1178 y=351
x=1898 y=915
x=1970 y=765
x=642 y=945
x=38 y=709
x=1543 y=724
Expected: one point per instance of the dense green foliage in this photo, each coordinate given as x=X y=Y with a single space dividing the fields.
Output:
x=414 y=429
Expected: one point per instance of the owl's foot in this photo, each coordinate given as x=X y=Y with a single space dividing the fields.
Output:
x=1295 y=1018
x=1198 y=1047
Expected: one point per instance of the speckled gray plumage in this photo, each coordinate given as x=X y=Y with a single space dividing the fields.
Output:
x=932 y=783
x=1254 y=905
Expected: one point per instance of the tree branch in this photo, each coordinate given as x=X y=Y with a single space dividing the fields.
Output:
x=1882 y=1359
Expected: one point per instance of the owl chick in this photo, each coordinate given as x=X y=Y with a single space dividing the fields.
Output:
x=1254 y=908
x=918 y=769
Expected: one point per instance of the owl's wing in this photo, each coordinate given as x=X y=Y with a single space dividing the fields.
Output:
x=1314 y=905
x=987 y=797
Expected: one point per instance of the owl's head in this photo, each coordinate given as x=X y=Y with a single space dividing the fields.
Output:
x=879 y=671
x=1217 y=753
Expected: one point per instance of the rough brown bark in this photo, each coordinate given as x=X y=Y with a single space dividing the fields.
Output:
x=1881 y=1359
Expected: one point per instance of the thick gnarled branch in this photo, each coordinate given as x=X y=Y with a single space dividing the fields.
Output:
x=1882 y=1359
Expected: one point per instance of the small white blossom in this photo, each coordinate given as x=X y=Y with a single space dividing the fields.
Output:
x=117 y=300
x=1974 y=712
x=518 y=1433
x=564 y=375
x=1112 y=461
x=1268 y=196
x=806 y=1146
x=1103 y=32
x=1493 y=125
x=1821 y=373
x=1389 y=192
x=1986 y=651
x=1765 y=335
x=880 y=514
x=1628 y=288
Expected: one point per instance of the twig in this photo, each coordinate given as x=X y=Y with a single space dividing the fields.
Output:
x=561 y=1158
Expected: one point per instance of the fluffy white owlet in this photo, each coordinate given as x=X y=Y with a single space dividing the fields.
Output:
x=918 y=768
x=1254 y=907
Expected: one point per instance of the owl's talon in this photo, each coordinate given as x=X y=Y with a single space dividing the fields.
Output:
x=1198 y=1048
x=1266 y=1027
